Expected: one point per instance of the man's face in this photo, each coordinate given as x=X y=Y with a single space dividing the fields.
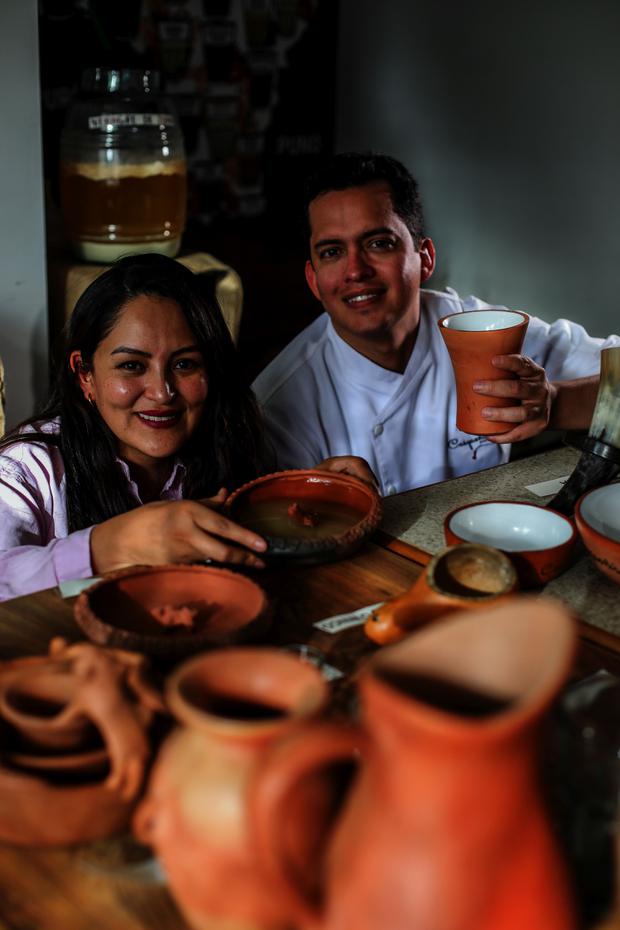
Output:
x=364 y=267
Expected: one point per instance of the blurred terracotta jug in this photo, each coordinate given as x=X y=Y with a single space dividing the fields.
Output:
x=232 y=705
x=443 y=827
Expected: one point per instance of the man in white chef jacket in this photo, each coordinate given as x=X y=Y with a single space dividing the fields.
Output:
x=371 y=377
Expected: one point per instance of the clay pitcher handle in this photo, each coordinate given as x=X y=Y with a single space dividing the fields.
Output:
x=278 y=774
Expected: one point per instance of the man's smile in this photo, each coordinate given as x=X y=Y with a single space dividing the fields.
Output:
x=360 y=298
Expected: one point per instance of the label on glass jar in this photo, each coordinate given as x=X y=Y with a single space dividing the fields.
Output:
x=114 y=120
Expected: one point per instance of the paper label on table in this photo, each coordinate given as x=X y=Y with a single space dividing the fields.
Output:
x=73 y=588
x=330 y=672
x=344 y=621
x=545 y=488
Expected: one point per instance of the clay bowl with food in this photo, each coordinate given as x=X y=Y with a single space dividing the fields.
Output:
x=539 y=541
x=597 y=515
x=171 y=611
x=308 y=515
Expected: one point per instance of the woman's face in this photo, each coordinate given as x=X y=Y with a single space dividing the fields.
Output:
x=148 y=380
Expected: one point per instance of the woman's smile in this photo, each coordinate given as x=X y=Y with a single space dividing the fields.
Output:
x=158 y=419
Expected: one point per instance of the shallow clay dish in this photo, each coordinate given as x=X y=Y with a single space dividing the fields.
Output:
x=538 y=540
x=597 y=515
x=309 y=516
x=173 y=610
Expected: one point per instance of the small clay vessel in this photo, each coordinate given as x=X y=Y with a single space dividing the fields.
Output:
x=75 y=743
x=473 y=339
x=444 y=824
x=461 y=577
x=232 y=706
x=308 y=515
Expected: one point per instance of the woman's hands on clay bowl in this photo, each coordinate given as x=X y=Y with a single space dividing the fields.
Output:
x=174 y=531
x=350 y=465
x=530 y=387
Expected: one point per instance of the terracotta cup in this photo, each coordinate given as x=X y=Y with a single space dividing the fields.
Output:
x=232 y=706
x=462 y=577
x=473 y=339
x=444 y=825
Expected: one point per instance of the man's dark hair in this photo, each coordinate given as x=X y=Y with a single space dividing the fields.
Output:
x=356 y=169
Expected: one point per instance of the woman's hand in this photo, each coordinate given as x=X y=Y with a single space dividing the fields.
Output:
x=173 y=531
x=350 y=465
x=531 y=387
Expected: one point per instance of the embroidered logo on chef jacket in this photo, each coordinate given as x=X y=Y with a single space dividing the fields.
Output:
x=473 y=442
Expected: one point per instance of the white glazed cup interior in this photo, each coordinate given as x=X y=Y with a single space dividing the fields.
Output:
x=601 y=510
x=511 y=527
x=482 y=321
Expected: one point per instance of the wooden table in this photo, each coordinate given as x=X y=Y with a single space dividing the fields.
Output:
x=82 y=888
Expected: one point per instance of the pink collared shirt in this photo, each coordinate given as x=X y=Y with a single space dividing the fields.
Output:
x=36 y=549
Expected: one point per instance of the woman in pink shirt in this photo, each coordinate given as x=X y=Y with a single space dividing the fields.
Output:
x=149 y=424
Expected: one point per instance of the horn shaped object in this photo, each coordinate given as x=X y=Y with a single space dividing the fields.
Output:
x=599 y=462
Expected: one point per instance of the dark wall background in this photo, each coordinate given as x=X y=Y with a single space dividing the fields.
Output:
x=508 y=114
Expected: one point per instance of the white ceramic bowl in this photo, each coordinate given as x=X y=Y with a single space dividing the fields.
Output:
x=539 y=541
x=597 y=515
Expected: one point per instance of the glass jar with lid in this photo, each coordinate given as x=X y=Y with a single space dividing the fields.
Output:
x=123 y=174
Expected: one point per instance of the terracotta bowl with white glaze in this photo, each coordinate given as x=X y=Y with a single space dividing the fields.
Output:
x=308 y=515
x=597 y=516
x=539 y=541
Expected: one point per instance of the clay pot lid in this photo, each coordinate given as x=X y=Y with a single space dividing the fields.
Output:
x=319 y=516
x=172 y=610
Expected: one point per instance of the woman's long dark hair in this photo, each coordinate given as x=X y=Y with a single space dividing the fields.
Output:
x=225 y=449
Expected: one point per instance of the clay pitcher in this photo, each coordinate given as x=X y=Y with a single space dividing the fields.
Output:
x=443 y=827
x=472 y=339
x=232 y=705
